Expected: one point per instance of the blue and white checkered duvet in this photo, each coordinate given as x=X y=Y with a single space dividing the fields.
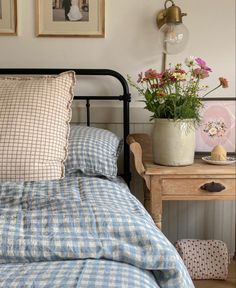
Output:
x=82 y=232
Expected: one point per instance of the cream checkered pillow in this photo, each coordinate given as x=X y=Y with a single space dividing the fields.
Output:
x=34 y=126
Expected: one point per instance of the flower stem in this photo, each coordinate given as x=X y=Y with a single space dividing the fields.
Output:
x=212 y=90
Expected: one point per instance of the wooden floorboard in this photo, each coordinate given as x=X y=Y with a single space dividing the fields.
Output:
x=229 y=283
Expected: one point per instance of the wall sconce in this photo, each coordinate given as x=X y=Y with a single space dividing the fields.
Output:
x=173 y=33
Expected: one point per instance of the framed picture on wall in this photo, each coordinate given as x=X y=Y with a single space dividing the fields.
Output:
x=217 y=125
x=8 y=17
x=70 y=18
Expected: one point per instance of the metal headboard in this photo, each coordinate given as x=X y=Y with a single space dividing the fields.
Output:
x=125 y=98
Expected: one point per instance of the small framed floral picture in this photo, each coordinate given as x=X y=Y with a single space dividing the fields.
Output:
x=217 y=125
x=8 y=17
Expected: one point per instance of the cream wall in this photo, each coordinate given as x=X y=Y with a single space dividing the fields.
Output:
x=131 y=42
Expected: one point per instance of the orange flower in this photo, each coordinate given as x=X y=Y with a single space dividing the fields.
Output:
x=161 y=94
x=223 y=82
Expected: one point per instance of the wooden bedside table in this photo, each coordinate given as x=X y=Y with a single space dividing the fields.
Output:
x=165 y=183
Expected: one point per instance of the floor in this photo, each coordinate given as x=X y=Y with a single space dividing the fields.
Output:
x=229 y=283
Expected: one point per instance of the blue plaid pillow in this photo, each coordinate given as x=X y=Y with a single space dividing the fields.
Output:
x=93 y=151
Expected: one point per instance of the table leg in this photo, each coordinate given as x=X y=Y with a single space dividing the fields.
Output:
x=147 y=198
x=147 y=204
x=156 y=200
x=157 y=218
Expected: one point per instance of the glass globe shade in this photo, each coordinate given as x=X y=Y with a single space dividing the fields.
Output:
x=173 y=38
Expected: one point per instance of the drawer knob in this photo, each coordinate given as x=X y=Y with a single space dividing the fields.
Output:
x=213 y=187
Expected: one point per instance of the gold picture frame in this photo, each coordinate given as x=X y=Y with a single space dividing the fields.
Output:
x=70 y=18
x=8 y=17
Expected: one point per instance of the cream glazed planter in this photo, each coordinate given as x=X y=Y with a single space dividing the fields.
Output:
x=173 y=142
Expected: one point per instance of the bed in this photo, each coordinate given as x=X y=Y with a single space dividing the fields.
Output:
x=87 y=229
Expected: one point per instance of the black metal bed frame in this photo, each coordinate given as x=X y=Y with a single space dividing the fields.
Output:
x=125 y=98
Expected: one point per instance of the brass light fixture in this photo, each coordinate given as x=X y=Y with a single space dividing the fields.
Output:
x=173 y=33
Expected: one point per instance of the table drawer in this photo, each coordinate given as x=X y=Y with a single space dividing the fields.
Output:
x=190 y=188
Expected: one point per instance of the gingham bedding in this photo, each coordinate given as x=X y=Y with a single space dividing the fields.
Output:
x=89 y=273
x=93 y=151
x=82 y=231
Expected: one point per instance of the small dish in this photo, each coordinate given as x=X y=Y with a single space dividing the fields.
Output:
x=229 y=160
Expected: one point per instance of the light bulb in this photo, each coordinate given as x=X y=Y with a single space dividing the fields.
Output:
x=173 y=37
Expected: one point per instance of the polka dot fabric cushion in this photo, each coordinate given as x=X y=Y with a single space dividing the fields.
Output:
x=34 y=126
x=204 y=259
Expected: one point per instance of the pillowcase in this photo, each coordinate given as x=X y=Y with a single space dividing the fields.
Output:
x=34 y=126
x=93 y=151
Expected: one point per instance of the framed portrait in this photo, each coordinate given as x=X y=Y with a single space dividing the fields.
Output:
x=217 y=125
x=70 y=18
x=8 y=17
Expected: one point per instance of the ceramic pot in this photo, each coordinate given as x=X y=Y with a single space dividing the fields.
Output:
x=173 y=142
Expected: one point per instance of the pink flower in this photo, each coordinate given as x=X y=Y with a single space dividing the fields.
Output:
x=223 y=82
x=220 y=133
x=200 y=73
x=202 y=64
x=152 y=74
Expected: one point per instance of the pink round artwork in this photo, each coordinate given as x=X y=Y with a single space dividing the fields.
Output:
x=216 y=125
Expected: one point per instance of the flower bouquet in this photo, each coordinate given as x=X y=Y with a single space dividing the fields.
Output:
x=175 y=92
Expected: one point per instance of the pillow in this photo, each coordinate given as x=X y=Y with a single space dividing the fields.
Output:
x=93 y=151
x=34 y=126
